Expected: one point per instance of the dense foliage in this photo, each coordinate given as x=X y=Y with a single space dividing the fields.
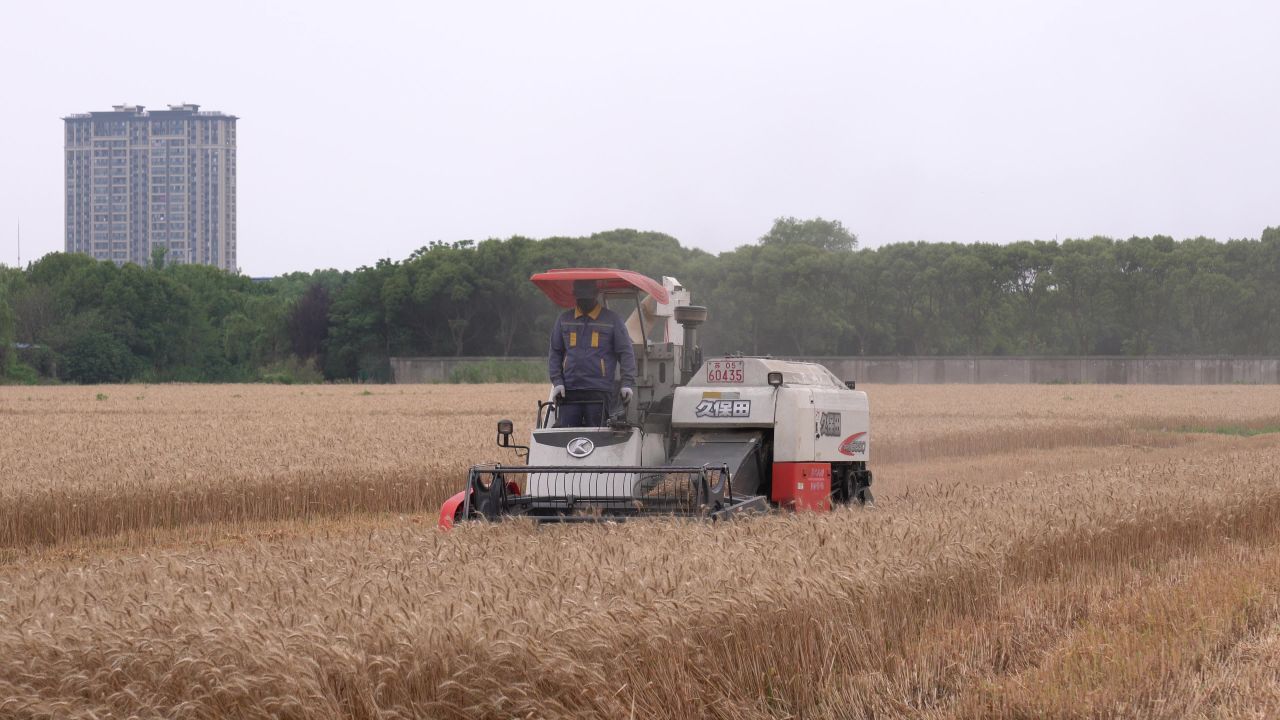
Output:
x=804 y=288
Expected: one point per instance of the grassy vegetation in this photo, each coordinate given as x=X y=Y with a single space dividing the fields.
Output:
x=1236 y=430
x=291 y=372
x=498 y=371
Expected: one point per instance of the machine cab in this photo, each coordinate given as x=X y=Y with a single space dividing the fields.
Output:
x=634 y=434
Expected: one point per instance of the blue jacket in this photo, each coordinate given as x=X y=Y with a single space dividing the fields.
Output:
x=587 y=348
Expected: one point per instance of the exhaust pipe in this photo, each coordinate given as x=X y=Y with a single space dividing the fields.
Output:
x=690 y=317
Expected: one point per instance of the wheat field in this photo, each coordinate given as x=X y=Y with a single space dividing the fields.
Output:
x=252 y=551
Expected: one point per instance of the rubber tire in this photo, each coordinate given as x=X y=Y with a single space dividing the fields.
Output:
x=863 y=496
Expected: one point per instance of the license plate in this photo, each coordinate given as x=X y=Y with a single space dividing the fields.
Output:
x=725 y=371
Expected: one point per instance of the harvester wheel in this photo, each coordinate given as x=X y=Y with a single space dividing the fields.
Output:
x=863 y=496
x=862 y=487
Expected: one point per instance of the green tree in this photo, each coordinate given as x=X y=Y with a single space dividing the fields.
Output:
x=803 y=288
x=361 y=317
x=7 y=322
x=818 y=233
x=1027 y=272
x=504 y=290
x=445 y=289
x=308 y=322
x=974 y=285
x=1083 y=294
x=97 y=357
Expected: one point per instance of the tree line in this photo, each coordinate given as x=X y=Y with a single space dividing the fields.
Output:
x=804 y=288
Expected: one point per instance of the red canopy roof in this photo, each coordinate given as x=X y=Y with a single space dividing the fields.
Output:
x=558 y=284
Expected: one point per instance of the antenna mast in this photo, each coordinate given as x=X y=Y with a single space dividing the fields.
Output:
x=19 y=243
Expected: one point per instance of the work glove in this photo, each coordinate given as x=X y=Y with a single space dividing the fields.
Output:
x=557 y=392
x=626 y=395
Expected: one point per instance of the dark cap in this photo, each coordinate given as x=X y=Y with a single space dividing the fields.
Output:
x=585 y=289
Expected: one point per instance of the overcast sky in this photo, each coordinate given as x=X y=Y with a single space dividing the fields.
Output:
x=370 y=129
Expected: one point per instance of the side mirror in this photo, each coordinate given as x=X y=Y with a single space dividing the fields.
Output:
x=775 y=379
x=851 y=384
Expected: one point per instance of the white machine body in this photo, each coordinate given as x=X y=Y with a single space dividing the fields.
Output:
x=588 y=448
x=814 y=417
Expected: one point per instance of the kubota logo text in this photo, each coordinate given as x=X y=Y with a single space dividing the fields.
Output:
x=580 y=447
x=723 y=408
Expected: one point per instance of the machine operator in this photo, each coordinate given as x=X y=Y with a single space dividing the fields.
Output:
x=588 y=344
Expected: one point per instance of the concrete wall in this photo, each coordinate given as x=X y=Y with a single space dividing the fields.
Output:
x=439 y=369
x=1101 y=370
x=929 y=370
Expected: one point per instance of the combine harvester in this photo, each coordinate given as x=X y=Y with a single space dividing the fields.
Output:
x=703 y=438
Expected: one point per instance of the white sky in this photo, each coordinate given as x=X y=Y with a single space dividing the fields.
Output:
x=370 y=129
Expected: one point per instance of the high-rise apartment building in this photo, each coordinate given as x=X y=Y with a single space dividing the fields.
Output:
x=138 y=179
